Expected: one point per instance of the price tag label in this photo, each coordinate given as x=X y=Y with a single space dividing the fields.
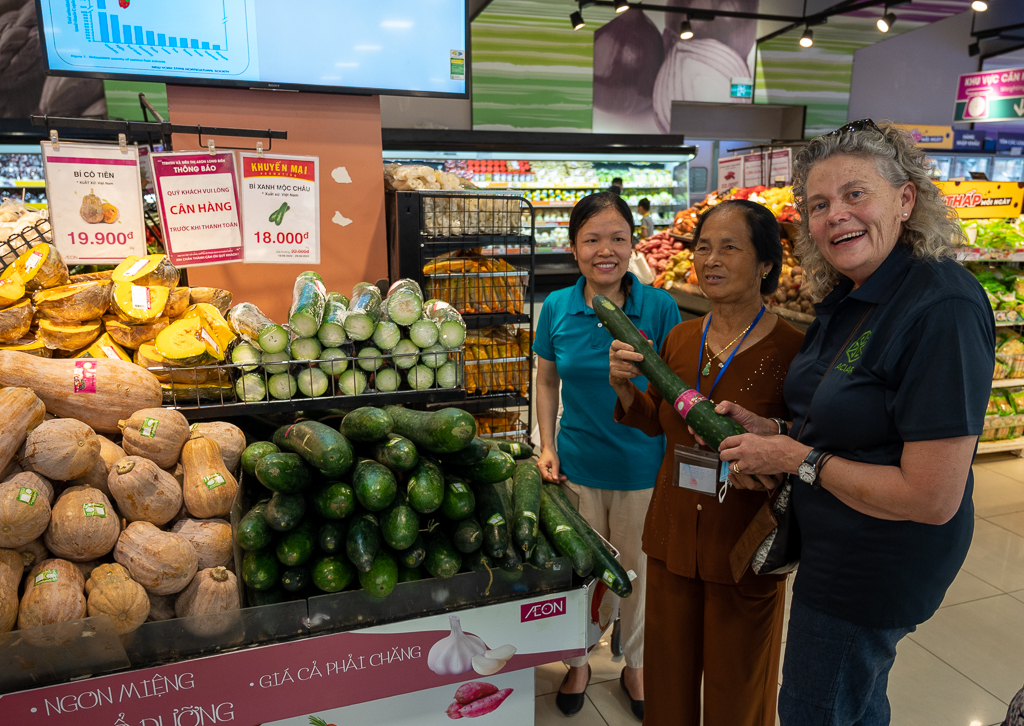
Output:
x=94 y=193
x=198 y=200
x=281 y=208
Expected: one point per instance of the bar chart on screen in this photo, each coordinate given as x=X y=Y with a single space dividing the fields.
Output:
x=197 y=37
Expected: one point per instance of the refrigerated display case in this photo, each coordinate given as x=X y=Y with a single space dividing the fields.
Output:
x=964 y=165
x=1007 y=169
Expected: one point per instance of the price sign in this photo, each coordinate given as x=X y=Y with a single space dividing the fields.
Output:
x=281 y=208
x=198 y=200
x=94 y=193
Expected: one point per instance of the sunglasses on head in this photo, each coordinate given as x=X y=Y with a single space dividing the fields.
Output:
x=854 y=126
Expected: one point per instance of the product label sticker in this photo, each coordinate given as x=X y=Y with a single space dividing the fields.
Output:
x=496 y=520
x=46 y=576
x=94 y=509
x=458 y=487
x=33 y=261
x=608 y=577
x=136 y=268
x=516 y=449
x=149 y=427
x=27 y=496
x=193 y=427
x=531 y=515
x=109 y=352
x=687 y=400
x=212 y=481
x=85 y=376
x=141 y=298
x=563 y=528
x=723 y=471
x=208 y=339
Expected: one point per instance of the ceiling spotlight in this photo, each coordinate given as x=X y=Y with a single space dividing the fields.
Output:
x=577 y=20
x=621 y=6
x=685 y=30
x=979 y=6
x=807 y=39
x=885 y=22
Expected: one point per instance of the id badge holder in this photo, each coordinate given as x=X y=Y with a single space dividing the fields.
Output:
x=697 y=470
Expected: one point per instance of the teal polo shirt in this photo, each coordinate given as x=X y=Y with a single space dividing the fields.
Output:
x=593 y=449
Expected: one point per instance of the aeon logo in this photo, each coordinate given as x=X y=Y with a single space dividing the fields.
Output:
x=541 y=610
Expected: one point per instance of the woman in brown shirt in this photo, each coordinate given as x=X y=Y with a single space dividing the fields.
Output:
x=707 y=624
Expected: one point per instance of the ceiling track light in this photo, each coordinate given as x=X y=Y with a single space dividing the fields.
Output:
x=885 y=22
x=576 y=19
x=979 y=6
x=807 y=39
x=621 y=6
x=685 y=30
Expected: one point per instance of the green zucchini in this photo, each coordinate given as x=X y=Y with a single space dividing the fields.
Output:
x=495 y=467
x=459 y=501
x=253 y=532
x=256 y=328
x=477 y=562
x=434 y=357
x=246 y=356
x=562 y=535
x=511 y=562
x=296 y=546
x=260 y=569
x=250 y=388
x=306 y=349
x=382 y=576
x=274 y=363
x=296 y=579
x=367 y=424
x=312 y=382
x=332 y=573
x=405 y=354
x=386 y=335
x=320 y=445
x=337 y=297
x=397 y=453
x=543 y=554
x=476 y=450
x=448 y=375
x=374 y=485
x=424 y=333
x=363 y=541
x=399 y=525
x=410 y=574
x=606 y=567
x=330 y=538
x=364 y=311
x=387 y=380
x=515 y=449
x=333 y=361
x=254 y=452
x=284 y=511
x=351 y=383
x=369 y=359
x=332 y=328
x=405 y=302
x=439 y=432
x=282 y=386
x=468 y=536
x=309 y=298
x=284 y=472
x=413 y=556
x=451 y=326
x=336 y=500
x=425 y=486
x=493 y=518
x=442 y=560
x=526 y=505
x=698 y=412
x=419 y=378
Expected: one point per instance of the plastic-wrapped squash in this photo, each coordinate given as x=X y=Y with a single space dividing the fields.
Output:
x=220 y=299
x=91 y=276
x=216 y=332
x=147 y=356
x=177 y=301
x=12 y=288
x=183 y=342
x=69 y=336
x=42 y=267
x=105 y=347
x=74 y=302
x=138 y=303
x=132 y=336
x=151 y=270
x=31 y=345
x=15 y=321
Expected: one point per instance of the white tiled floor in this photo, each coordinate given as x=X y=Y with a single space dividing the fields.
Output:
x=961 y=668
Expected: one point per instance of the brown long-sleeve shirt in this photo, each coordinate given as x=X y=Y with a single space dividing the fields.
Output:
x=693 y=533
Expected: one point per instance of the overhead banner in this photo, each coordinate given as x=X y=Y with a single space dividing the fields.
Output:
x=930 y=137
x=990 y=96
x=730 y=173
x=94 y=193
x=983 y=199
x=281 y=208
x=198 y=200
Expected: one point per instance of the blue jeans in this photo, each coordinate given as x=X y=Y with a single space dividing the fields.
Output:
x=835 y=673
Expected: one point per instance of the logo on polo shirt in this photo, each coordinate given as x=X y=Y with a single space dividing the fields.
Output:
x=854 y=352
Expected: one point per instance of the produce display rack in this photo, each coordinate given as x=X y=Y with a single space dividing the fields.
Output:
x=22 y=241
x=445 y=241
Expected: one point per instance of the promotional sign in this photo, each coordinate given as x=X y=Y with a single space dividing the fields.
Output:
x=280 y=208
x=730 y=173
x=781 y=166
x=94 y=193
x=753 y=170
x=930 y=137
x=198 y=200
x=990 y=96
x=983 y=199
x=1008 y=141
x=969 y=140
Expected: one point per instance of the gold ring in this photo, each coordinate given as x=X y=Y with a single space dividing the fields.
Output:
x=736 y=468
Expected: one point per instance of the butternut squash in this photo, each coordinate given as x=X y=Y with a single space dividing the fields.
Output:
x=97 y=476
x=209 y=486
x=149 y=270
x=162 y=562
x=41 y=267
x=144 y=491
x=211 y=539
x=61 y=449
x=16 y=321
x=21 y=411
x=229 y=438
x=138 y=303
x=83 y=525
x=54 y=593
x=155 y=433
x=74 y=302
x=10 y=576
x=132 y=335
x=97 y=392
x=24 y=510
x=213 y=593
x=111 y=591
x=220 y=299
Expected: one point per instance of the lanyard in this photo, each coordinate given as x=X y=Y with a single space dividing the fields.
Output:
x=723 y=369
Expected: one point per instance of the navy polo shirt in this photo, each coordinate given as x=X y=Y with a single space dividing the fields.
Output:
x=593 y=449
x=919 y=369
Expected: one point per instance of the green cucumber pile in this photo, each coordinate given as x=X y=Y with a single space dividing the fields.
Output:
x=395 y=495
x=335 y=345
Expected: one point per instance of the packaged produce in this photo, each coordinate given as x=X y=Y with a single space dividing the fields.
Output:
x=309 y=298
x=74 y=302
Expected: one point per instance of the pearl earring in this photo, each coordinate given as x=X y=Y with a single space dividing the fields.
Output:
x=904 y=215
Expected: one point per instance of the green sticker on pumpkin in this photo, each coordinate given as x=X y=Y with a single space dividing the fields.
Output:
x=214 y=480
x=27 y=496
x=149 y=427
x=94 y=509
x=46 y=576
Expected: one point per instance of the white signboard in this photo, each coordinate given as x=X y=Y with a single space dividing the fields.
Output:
x=730 y=173
x=782 y=166
x=753 y=170
x=280 y=208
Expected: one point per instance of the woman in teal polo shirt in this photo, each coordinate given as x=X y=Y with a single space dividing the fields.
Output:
x=611 y=469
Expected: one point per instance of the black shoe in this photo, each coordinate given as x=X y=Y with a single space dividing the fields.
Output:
x=637 y=707
x=617 y=638
x=571 y=703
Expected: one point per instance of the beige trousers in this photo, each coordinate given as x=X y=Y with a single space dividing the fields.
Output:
x=619 y=516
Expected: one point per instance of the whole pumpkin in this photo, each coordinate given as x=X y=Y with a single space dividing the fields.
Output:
x=155 y=433
x=162 y=562
x=111 y=591
x=144 y=491
x=61 y=449
x=83 y=525
x=53 y=594
x=24 y=509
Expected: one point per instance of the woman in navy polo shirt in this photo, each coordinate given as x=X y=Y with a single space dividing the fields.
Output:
x=888 y=396
x=610 y=468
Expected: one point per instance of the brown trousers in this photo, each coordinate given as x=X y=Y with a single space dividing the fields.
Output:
x=730 y=634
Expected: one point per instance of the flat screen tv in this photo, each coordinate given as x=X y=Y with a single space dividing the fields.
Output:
x=395 y=47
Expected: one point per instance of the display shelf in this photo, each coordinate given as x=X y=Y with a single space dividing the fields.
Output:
x=476 y=403
x=1008 y=383
x=989 y=254
x=538 y=185
x=486 y=320
x=1008 y=323
x=995 y=447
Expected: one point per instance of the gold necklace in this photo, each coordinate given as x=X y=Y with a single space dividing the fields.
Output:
x=707 y=368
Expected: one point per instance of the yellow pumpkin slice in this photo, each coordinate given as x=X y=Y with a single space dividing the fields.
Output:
x=138 y=303
x=69 y=336
x=183 y=341
x=105 y=347
x=12 y=287
x=149 y=358
x=75 y=302
x=16 y=321
x=216 y=332
x=42 y=267
x=90 y=276
x=132 y=336
x=151 y=270
x=30 y=345
x=178 y=394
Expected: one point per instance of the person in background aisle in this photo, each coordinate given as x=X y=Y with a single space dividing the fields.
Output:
x=643 y=208
x=707 y=624
x=608 y=469
x=616 y=187
x=888 y=396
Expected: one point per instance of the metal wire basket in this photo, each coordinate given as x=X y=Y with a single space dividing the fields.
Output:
x=20 y=242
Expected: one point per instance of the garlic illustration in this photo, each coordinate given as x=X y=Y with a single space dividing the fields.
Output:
x=453 y=654
x=493 y=661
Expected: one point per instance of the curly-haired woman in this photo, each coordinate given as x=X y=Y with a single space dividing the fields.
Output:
x=888 y=396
